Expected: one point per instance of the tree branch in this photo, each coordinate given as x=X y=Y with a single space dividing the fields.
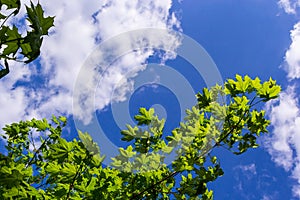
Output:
x=176 y=172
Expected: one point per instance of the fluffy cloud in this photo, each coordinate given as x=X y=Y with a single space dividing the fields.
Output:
x=13 y=100
x=92 y=91
x=292 y=55
x=285 y=117
x=284 y=143
x=80 y=27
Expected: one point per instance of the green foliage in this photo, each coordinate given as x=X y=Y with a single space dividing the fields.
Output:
x=17 y=46
x=52 y=168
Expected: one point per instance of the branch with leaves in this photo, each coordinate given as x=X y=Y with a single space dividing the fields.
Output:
x=225 y=117
x=17 y=46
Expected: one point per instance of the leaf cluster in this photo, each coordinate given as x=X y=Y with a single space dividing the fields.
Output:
x=17 y=46
x=52 y=168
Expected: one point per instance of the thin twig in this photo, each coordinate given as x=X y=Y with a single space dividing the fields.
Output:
x=7 y=18
x=74 y=179
x=203 y=153
x=36 y=152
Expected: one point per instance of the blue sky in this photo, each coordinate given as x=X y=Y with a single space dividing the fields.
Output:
x=92 y=68
x=251 y=38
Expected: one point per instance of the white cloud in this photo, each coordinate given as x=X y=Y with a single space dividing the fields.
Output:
x=284 y=142
x=115 y=81
x=296 y=175
x=79 y=26
x=292 y=56
x=131 y=15
x=13 y=100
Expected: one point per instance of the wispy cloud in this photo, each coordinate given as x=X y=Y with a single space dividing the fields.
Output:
x=289 y=6
x=243 y=174
x=48 y=86
x=250 y=178
x=247 y=170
